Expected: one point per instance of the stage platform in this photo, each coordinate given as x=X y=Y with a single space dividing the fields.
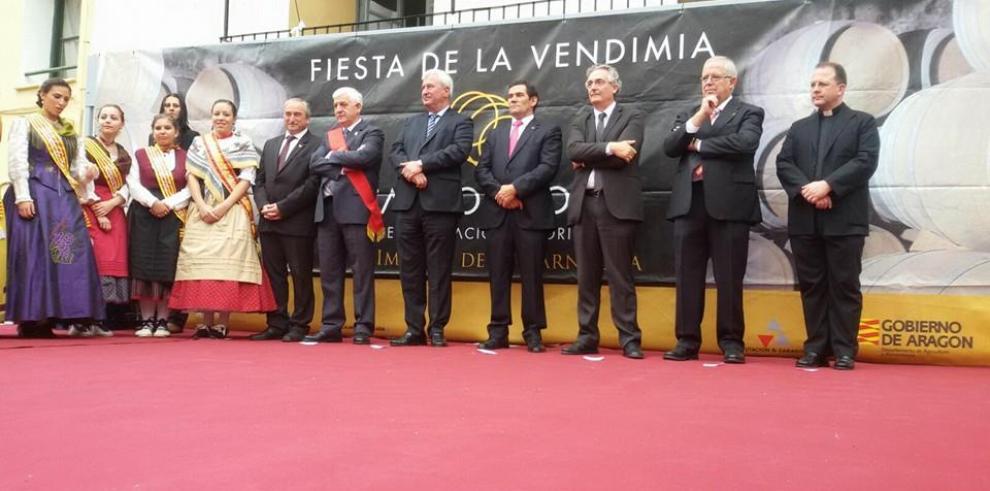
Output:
x=176 y=413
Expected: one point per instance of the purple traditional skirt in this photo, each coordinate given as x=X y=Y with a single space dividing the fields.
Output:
x=51 y=271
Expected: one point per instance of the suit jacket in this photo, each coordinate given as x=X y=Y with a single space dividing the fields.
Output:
x=364 y=153
x=531 y=168
x=849 y=159
x=442 y=155
x=727 y=151
x=293 y=188
x=620 y=180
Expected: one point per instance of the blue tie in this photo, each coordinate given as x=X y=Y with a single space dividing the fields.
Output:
x=431 y=124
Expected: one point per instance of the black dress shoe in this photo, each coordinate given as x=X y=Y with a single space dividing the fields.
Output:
x=266 y=335
x=494 y=343
x=324 y=336
x=361 y=338
x=811 y=360
x=844 y=362
x=409 y=339
x=579 y=349
x=535 y=346
x=437 y=340
x=680 y=354
x=632 y=350
x=734 y=357
x=293 y=337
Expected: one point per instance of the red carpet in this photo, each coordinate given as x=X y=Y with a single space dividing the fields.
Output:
x=128 y=413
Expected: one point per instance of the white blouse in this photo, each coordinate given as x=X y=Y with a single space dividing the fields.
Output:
x=17 y=160
x=139 y=193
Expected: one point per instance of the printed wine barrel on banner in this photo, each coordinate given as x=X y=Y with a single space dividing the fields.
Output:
x=875 y=61
x=932 y=272
x=773 y=199
x=934 y=160
x=258 y=96
x=934 y=56
x=881 y=242
x=971 y=22
x=767 y=264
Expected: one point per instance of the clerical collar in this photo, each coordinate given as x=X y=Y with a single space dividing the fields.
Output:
x=835 y=110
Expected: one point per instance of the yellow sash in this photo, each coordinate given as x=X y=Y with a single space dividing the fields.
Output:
x=225 y=171
x=108 y=168
x=166 y=182
x=56 y=149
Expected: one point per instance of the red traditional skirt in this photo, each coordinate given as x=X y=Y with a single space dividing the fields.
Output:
x=110 y=248
x=222 y=296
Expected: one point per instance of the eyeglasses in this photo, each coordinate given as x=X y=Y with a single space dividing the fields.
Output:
x=596 y=82
x=714 y=78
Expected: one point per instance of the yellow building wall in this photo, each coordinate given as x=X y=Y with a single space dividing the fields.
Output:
x=323 y=13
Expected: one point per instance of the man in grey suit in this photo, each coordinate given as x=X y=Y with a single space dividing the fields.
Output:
x=284 y=192
x=348 y=218
x=825 y=166
x=713 y=204
x=518 y=162
x=605 y=210
x=427 y=157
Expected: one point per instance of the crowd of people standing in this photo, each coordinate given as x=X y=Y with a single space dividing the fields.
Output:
x=195 y=239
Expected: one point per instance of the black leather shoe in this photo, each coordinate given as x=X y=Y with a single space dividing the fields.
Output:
x=579 y=349
x=844 y=362
x=811 y=360
x=535 y=346
x=293 y=337
x=266 y=335
x=437 y=340
x=494 y=343
x=409 y=339
x=734 y=357
x=632 y=350
x=324 y=336
x=680 y=354
x=361 y=338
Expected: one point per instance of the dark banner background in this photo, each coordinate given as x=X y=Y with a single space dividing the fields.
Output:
x=659 y=87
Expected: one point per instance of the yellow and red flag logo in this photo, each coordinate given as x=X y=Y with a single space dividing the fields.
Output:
x=869 y=332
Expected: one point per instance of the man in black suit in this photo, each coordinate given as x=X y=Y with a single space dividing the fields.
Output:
x=713 y=205
x=605 y=210
x=284 y=192
x=427 y=157
x=825 y=166
x=348 y=218
x=518 y=162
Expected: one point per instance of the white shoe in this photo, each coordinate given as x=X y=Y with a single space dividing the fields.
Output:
x=79 y=331
x=99 y=331
x=161 y=331
x=147 y=329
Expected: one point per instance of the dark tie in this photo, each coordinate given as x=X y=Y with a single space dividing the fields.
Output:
x=600 y=127
x=431 y=124
x=285 y=152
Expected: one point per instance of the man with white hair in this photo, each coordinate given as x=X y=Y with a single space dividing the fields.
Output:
x=427 y=157
x=284 y=192
x=349 y=221
x=713 y=204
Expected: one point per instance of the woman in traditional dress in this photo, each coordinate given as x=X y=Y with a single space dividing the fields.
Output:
x=51 y=272
x=107 y=225
x=158 y=186
x=175 y=105
x=219 y=269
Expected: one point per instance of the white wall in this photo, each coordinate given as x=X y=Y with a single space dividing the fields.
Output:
x=125 y=25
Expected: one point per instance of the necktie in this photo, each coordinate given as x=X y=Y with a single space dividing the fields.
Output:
x=431 y=124
x=714 y=115
x=285 y=151
x=600 y=127
x=514 y=135
x=699 y=170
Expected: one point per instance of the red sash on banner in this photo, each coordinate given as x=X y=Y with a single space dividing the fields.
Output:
x=376 y=226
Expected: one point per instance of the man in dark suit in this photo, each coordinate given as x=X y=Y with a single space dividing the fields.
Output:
x=284 y=192
x=348 y=219
x=713 y=205
x=427 y=157
x=825 y=166
x=518 y=162
x=605 y=210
